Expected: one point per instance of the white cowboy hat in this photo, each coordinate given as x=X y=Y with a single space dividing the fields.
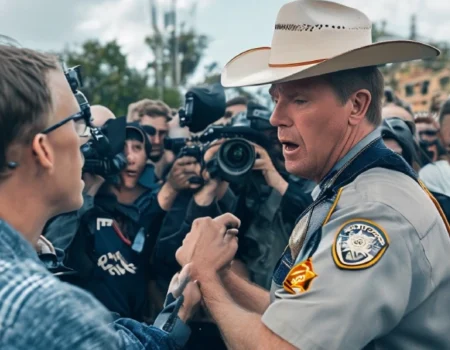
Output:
x=315 y=37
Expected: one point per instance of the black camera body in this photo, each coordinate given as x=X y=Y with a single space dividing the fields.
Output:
x=103 y=153
x=235 y=158
x=175 y=144
x=74 y=78
x=194 y=151
x=203 y=105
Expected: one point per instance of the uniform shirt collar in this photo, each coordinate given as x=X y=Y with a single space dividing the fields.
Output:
x=353 y=152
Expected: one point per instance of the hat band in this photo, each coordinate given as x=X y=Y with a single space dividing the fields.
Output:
x=305 y=63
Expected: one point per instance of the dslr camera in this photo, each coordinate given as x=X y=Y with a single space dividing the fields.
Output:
x=236 y=157
x=103 y=153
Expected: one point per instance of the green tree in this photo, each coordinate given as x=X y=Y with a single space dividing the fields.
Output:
x=191 y=49
x=212 y=75
x=108 y=79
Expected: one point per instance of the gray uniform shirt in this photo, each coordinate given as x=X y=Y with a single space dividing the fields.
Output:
x=401 y=301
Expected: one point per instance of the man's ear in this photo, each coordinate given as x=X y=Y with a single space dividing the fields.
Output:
x=360 y=104
x=43 y=152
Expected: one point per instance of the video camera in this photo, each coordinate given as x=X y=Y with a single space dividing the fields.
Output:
x=73 y=76
x=236 y=156
x=103 y=153
x=203 y=106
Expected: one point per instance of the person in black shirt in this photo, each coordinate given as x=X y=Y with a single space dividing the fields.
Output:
x=109 y=242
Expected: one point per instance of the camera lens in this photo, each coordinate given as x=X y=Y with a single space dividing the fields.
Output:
x=236 y=157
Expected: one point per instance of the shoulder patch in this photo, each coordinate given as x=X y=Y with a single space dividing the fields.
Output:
x=359 y=244
x=299 y=278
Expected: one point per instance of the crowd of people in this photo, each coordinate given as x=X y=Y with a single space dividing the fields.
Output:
x=148 y=231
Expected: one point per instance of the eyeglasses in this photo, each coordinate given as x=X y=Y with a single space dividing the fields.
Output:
x=81 y=124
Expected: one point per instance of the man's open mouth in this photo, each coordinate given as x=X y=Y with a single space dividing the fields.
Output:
x=289 y=146
x=131 y=173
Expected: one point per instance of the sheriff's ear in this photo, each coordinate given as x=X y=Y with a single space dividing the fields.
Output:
x=360 y=104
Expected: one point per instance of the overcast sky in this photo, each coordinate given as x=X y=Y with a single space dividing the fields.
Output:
x=234 y=25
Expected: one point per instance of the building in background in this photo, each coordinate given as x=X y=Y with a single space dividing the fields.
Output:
x=423 y=88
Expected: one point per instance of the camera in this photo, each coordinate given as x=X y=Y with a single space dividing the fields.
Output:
x=74 y=78
x=233 y=161
x=175 y=144
x=103 y=153
x=203 y=105
x=236 y=157
x=194 y=151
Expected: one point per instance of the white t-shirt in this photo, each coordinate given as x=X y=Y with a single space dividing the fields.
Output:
x=436 y=176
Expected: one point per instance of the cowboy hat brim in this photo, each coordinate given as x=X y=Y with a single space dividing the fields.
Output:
x=252 y=68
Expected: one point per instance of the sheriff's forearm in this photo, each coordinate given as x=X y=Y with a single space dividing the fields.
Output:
x=246 y=294
x=240 y=328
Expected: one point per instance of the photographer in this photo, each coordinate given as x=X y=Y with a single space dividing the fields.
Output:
x=204 y=105
x=157 y=115
x=41 y=165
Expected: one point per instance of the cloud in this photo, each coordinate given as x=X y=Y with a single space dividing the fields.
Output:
x=44 y=24
x=431 y=16
x=51 y=24
x=129 y=21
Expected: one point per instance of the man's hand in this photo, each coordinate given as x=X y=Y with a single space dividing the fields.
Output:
x=271 y=175
x=92 y=184
x=182 y=170
x=182 y=284
x=210 y=246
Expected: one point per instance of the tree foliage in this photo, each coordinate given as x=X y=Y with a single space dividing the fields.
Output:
x=109 y=80
x=191 y=49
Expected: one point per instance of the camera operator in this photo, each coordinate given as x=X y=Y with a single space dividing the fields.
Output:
x=41 y=164
x=212 y=199
x=157 y=115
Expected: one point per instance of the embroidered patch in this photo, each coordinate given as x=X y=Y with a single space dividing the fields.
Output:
x=359 y=244
x=299 y=278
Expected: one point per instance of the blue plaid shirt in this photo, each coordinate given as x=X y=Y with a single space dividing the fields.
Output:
x=38 y=311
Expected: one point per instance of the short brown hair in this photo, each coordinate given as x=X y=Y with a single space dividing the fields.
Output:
x=151 y=108
x=346 y=82
x=426 y=119
x=239 y=100
x=25 y=97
